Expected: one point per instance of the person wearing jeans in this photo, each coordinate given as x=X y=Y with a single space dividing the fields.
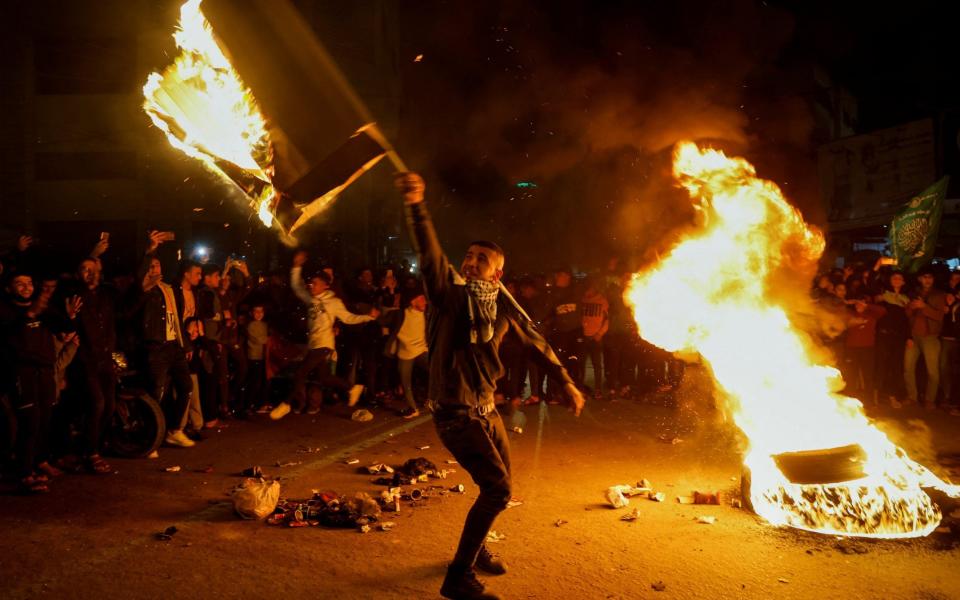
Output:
x=410 y=337
x=925 y=313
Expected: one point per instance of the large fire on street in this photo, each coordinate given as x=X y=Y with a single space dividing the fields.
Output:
x=718 y=293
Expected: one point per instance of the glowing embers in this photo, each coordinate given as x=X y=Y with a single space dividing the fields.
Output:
x=720 y=292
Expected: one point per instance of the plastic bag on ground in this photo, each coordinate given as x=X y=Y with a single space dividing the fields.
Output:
x=256 y=498
x=362 y=415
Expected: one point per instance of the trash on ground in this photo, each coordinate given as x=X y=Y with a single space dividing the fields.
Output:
x=167 y=534
x=289 y=464
x=352 y=461
x=450 y=461
x=706 y=519
x=659 y=586
x=644 y=483
x=783 y=580
x=685 y=499
x=173 y=469
x=364 y=529
x=706 y=498
x=560 y=522
x=379 y=468
x=361 y=415
x=614 y=495
x=736 y=503
x=387 y=526
x=252 y=472
x=633 y=515
x=256 y=498
x=657 y=496
x=494 y=537
x=514 y=502
x=458 y=489
x=427 y=447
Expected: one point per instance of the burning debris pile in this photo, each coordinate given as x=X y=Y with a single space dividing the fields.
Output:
x=815 y=461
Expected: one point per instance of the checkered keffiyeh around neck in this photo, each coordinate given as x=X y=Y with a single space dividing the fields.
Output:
x=483 y=309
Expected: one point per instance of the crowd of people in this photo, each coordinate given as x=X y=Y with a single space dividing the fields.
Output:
x=891 y=321
x=215 y=342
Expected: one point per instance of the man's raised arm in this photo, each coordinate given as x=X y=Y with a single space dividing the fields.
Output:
x=433 y=263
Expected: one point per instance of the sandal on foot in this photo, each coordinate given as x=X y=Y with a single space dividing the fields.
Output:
x=33 y=485
x=96 y=465
x=49 y=470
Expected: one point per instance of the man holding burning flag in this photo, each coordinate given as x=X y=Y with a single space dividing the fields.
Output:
x=470 y=314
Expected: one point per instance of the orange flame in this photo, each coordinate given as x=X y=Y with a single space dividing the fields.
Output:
x=207 y=112
x=712 y=295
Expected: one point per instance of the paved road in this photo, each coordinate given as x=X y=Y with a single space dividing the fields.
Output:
x=92 y=537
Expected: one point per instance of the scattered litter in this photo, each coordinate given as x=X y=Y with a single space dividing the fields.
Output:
x=514 y=502
x=685 y=499
x=154 y=454
x=644 y=483
x=657 y=496
x=387 y=526
x=706 y=498
x=308 y=450
x=352 y=461
x=659 y=586
x=361 y=415
x=560 y=522
x=458 y=489
x=173 y=469
x=615 y=497
x=256 y=498
x=427 y=447
x=493 y=536
x=706 y=520
x=736 y=503
x=783 y=580
x=450 y=461
x=252 y=472
x=633 y=515
x=379 y=468
x=167 y=534
x=289 y=464
x=364 y=529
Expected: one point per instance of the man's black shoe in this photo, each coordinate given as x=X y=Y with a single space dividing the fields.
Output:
x=464 y=585
x=488 y=562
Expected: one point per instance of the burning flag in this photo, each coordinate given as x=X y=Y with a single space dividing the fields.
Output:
x=815 y=460
x=913 y=233
x=294 y=146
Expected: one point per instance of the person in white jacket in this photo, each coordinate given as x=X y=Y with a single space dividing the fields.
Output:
x=324 y=310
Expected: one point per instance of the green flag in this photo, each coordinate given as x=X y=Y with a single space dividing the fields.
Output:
x=913 y=233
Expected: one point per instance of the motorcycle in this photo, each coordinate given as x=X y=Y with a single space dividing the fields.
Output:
x=138 y=426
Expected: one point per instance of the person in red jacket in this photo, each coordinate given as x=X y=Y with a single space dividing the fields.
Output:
x=860 y=354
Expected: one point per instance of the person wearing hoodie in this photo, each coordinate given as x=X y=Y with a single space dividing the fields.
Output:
x=324 y=309
x=595 y=320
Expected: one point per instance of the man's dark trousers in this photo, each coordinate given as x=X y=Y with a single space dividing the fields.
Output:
x=480 y=445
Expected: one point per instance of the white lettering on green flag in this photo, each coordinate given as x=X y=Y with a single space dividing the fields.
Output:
x=913 y=233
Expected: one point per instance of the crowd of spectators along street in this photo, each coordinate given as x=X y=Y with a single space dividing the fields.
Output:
x=892 y=321
x=213 y=343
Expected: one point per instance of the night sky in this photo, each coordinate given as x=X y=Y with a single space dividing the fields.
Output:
x=586 y=99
